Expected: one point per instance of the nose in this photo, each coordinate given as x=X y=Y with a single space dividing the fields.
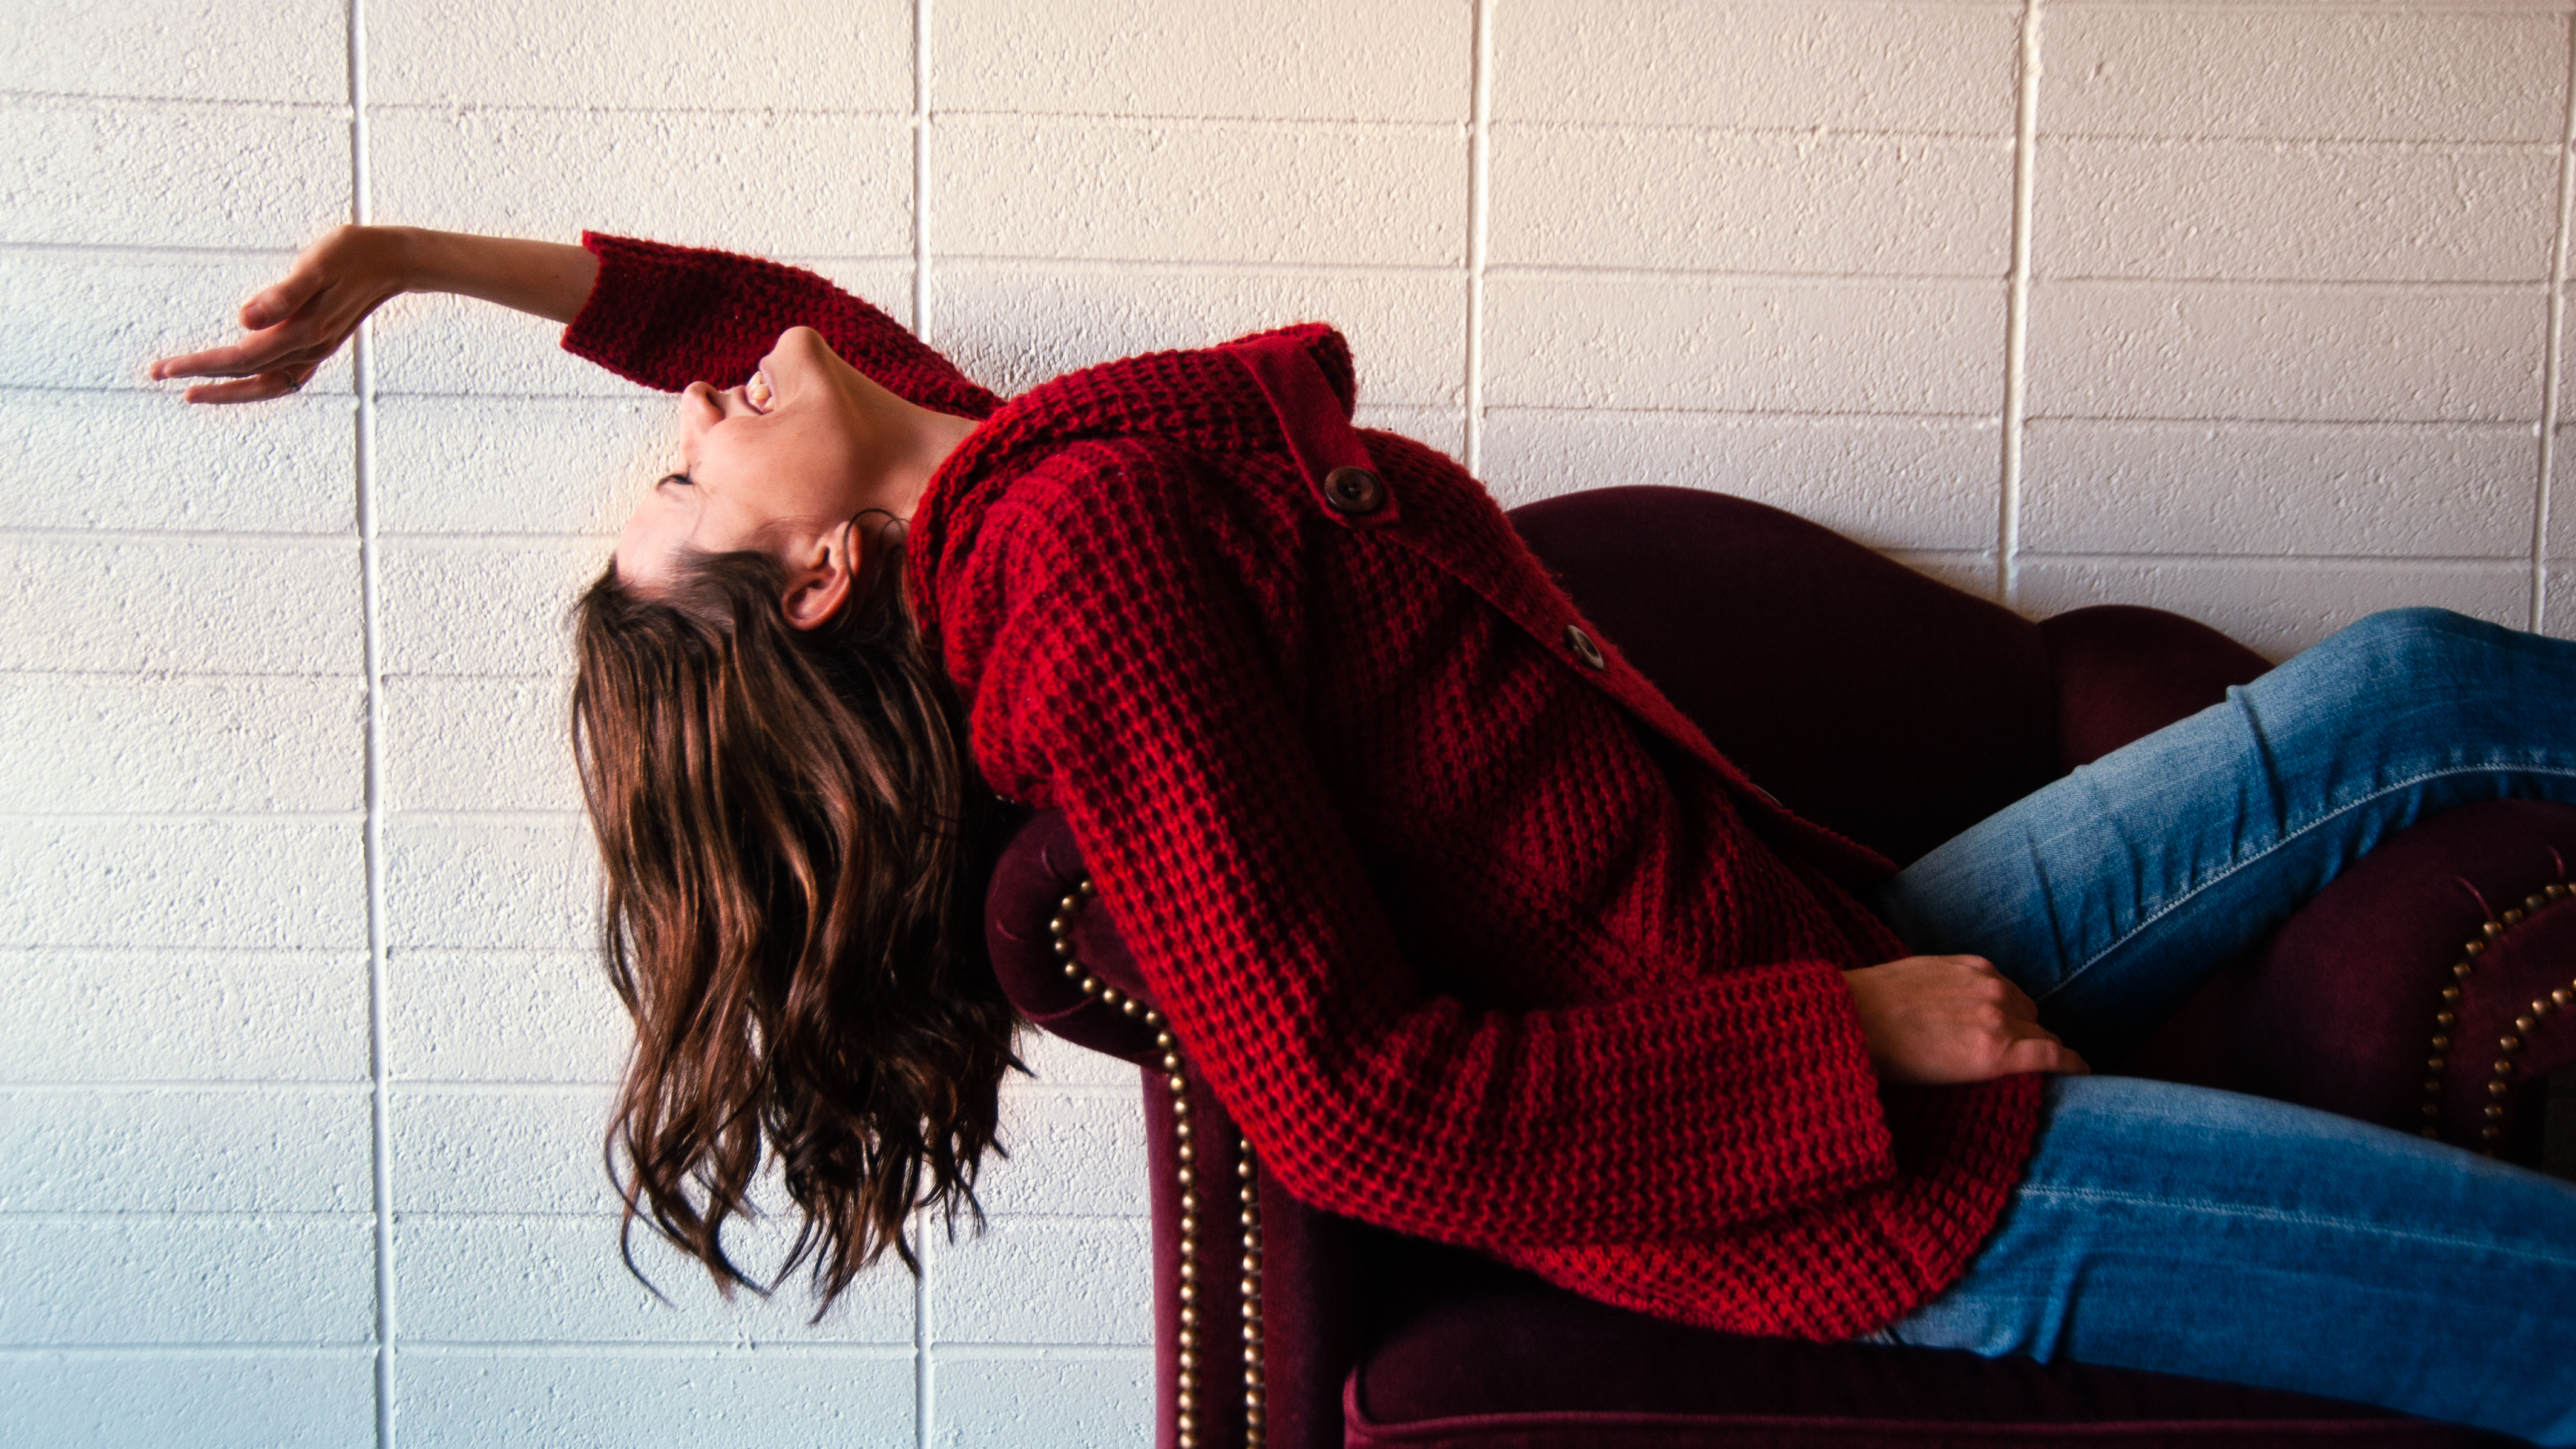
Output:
x=698 y=408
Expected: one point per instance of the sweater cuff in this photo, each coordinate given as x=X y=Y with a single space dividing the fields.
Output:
x=621 y=325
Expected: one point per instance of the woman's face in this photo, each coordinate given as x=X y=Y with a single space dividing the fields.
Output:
x=770 y=465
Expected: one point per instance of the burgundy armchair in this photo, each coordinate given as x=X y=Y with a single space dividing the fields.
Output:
x=2428 y=989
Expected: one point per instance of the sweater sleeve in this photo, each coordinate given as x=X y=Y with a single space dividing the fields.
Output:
x=667 y=316
x=1129 y=681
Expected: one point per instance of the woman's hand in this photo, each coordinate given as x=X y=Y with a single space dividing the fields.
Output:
x=304 y=317
x=301 y=319
x=1941 y=1020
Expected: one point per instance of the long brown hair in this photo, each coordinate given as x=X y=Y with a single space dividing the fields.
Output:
x=793 y=840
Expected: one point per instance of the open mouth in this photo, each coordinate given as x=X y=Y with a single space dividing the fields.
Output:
x=756 y=391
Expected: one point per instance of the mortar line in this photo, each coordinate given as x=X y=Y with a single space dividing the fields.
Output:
x=921 y=169
x=921 y=1387
x=362 y=377
x=2017 y=314
x=1480 y=85
x=2553 y=359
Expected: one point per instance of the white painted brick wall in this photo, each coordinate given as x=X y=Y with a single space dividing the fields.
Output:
x=2243 y=311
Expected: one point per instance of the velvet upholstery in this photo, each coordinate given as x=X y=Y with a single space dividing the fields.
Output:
x=1487 y=1361
x=2309 y=1020
x=1941 y=708
x=1936 y=712
x=2123 y=672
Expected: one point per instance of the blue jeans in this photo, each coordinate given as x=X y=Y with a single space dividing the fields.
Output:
x=2222 y=1236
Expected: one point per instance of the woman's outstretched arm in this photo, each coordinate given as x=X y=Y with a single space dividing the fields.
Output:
x=300 y=320
x=667 y=316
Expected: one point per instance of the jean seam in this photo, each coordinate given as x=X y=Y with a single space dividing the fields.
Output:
x=2300 y=1219
x=2178 y=902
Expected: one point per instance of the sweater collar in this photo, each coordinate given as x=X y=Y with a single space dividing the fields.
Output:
x=1200 y=401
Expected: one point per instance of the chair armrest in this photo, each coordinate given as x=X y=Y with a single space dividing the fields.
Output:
x=2460 y=927
x=2124 y=672
x=1039 y=868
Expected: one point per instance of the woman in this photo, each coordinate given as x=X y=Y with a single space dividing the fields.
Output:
x=1475 y=936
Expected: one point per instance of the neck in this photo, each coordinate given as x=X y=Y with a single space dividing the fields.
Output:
x=925 y=438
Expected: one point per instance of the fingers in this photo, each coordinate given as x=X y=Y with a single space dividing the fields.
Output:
x=282 y=298
x=2042 y=1053
x=273 y=351
x=2015 y=1001
x=250 y=389
x=240 y=359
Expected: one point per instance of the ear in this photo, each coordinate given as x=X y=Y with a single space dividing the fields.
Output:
x=819 y=583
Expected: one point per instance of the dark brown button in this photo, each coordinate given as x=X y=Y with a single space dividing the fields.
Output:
x=1583 y=647
x=1354 y=490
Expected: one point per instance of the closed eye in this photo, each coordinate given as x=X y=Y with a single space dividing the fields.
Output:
x=683 y=479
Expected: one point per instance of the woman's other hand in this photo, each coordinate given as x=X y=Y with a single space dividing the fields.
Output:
x=297 y=322
x=1941 y=1020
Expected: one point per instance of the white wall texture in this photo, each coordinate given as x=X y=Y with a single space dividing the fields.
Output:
x=2250 y=311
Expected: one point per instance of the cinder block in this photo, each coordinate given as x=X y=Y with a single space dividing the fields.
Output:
x=239 y=606
x=559 y=1280
x=772 y=181
x=227 y=883
x=1062 y=1398
x=516 y=1017
x=120 y=461
x=449 y=346
x=766 y=55
x=478 y=744
x=454 y=465
x=293 y=1399
x=121 y=174
x=1920 y=483
x=2379 y=74
x=1054 y=1062
x=1744 y=346
x=1441 y=428
x=1942 y=68
x=2305 y=210
x=131 y=1280
x=2562 y=492
x=455 y=347
x=2558 y=602
x=616 y=1399
x=1304 y=60
x=296 y=51
x=2276 y=606
x=1970 y=571
x=1769 y=202
x=73 y=320
x=94 y=744
x=1045 y=1280
x=183 y=1016
x=497 y=607
x=1015 y=325
x=463 y=1151
x=1201 y=191
x=2277 y=488
x=490 y=885
x=1073 y=1152
x=2285 y=352
x=102 y=1150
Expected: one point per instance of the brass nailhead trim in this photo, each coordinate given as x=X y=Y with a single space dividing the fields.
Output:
x=2498 y=1082
x=1245 y=1170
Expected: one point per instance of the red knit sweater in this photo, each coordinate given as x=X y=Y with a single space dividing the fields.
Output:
x=1475 y=941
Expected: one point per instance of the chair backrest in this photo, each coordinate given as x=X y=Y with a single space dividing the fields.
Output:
x=1867 y=697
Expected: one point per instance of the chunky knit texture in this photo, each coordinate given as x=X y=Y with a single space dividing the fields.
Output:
x=1476 y=942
